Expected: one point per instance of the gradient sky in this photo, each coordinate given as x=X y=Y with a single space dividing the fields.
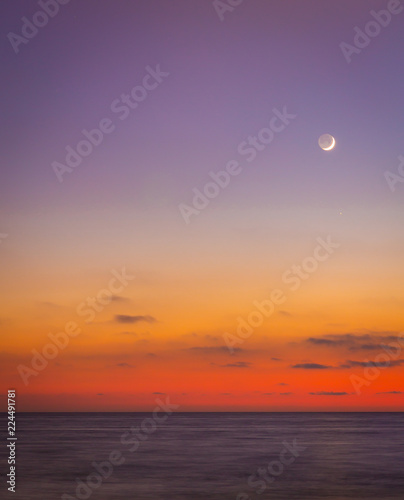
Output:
x=163 y=333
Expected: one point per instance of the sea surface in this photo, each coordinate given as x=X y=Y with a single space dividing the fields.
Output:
x=209 y=456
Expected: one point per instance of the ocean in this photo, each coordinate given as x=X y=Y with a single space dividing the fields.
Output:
x=190 y=456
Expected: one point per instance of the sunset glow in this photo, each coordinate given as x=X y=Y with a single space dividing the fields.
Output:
x=206 y=250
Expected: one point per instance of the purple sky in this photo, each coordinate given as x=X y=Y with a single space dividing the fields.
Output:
x=225 y=78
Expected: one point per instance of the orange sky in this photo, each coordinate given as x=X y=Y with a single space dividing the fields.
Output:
x=171 y=330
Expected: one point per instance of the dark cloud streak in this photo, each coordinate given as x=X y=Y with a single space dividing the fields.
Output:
x=124 y=318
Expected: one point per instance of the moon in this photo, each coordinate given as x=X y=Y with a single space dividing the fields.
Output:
x=326 y=142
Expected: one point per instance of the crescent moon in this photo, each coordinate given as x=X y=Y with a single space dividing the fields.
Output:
x=330 y=147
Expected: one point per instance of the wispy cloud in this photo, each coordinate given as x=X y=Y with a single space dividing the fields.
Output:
x=366 y=347
x=324 y=393
x=212 y=349
x=124 y=318
x=239 y=364
x=118 y=298
x=326 y=342
x=349 y=364
x=368 y=364
x=369 y=341
x=311 y=366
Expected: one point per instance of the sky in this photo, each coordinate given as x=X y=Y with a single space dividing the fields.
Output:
x=203 y=248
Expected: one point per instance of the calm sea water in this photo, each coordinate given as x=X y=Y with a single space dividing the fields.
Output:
x=212 y=456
